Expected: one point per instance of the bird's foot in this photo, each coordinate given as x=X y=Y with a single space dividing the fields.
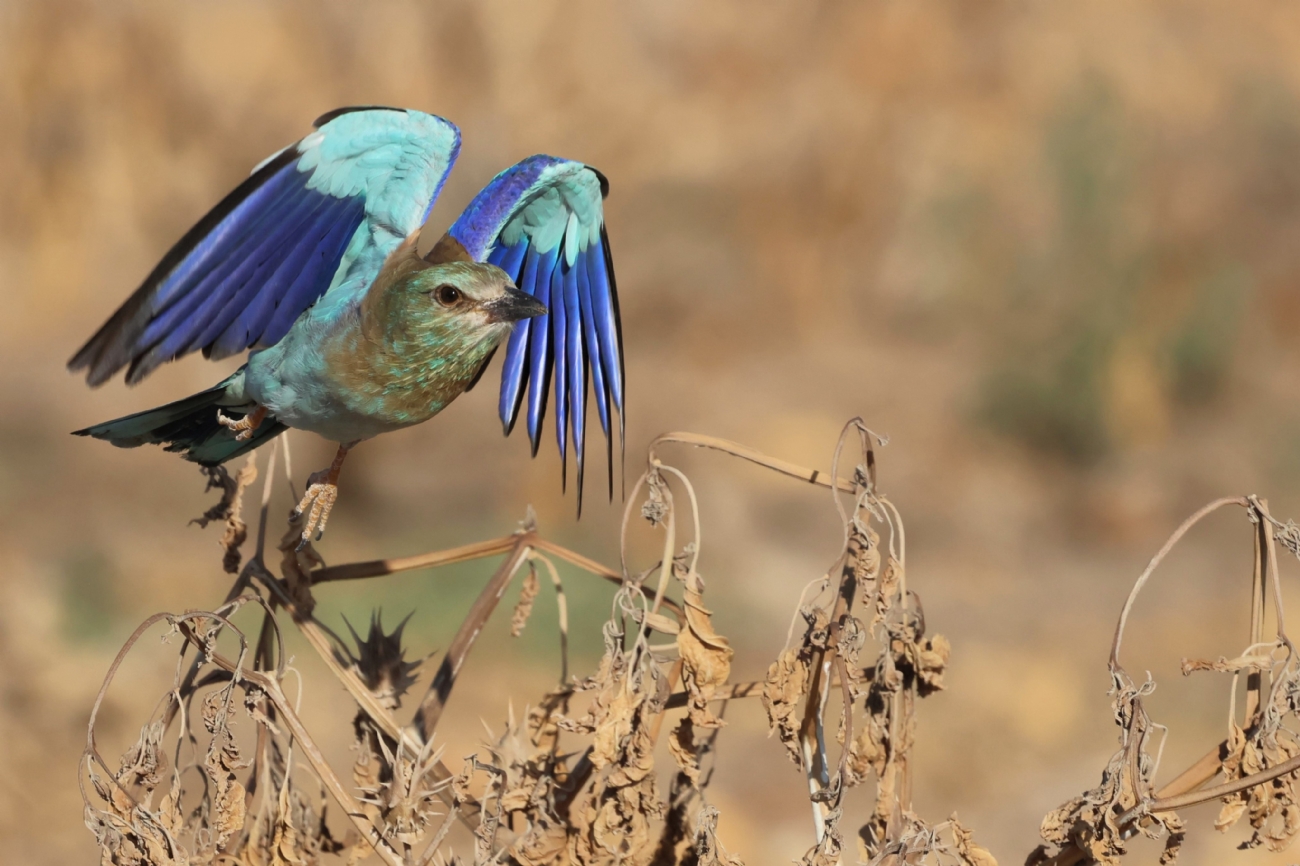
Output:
x=243 y=428
x=316 y=503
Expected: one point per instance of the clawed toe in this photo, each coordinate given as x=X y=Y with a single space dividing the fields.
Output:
x=316 y=503
x=243 y=428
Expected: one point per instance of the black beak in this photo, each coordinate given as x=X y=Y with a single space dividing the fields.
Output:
x=514 y=305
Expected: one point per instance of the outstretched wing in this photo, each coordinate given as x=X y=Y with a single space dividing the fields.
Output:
x=320 y=214
x=542 y=221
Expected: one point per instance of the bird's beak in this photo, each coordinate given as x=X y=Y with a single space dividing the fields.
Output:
x=513 y=306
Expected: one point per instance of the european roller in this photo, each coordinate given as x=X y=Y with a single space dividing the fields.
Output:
x=312 y=264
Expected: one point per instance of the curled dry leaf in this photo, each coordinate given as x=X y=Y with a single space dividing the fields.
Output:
x=783 y=695
x=931 y=661
x=705 y=654
x=220 y=764
x=681 y=744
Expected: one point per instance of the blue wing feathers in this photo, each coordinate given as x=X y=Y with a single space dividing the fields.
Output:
x=514 y=367
x=599 y=389
x=319 y=271
x=539 y=349
x=269 y=245
x=241 y=321
x=275 y=245
x=247 y=330
x=577 y=369
x=559 y=344
x=541 y=221
x=605 y=313
x=205 y=308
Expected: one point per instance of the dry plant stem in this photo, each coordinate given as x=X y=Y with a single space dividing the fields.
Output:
x=1205 y=795
x=381 y=567
x=1258 y=577
x=426 y=717
x=666 y=569
x=1270 y=545
x=241 y=582
x=1157 y=559
x=1209 y=764
x=744 y=452
x=811 y=731
x=260 y=550
x=465 y=553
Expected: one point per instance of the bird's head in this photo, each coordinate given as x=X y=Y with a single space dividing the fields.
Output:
x=464 y=304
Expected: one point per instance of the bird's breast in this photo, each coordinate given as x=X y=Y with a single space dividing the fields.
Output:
x=397 y=383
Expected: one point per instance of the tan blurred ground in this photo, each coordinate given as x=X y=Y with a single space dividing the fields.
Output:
x=1051 y=249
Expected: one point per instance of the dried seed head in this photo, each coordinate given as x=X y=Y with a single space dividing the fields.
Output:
x=380 y=661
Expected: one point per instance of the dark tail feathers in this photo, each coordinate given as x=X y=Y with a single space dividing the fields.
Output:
x=187 y=426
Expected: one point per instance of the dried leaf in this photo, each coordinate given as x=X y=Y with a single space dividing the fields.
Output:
x=681 y=744
x=527 y=595
x=932 y=659
x=705 y=654
x=783 y=693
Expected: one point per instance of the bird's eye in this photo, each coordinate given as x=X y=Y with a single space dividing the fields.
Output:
x=447 y=295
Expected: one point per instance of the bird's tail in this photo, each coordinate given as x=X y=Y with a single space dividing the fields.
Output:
x=190 y=426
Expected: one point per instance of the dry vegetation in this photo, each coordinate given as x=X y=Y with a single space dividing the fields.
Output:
x=226 y=769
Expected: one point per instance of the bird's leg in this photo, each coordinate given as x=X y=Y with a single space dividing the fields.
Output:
x=322 y=493
x=242 y=427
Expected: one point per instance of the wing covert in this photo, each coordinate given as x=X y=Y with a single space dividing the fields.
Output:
x=542 y=221
x=321 y=214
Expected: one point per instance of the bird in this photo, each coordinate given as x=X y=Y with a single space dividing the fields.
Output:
x=311 y=266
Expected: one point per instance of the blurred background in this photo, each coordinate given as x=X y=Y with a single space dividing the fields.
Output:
x=1050 y=249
